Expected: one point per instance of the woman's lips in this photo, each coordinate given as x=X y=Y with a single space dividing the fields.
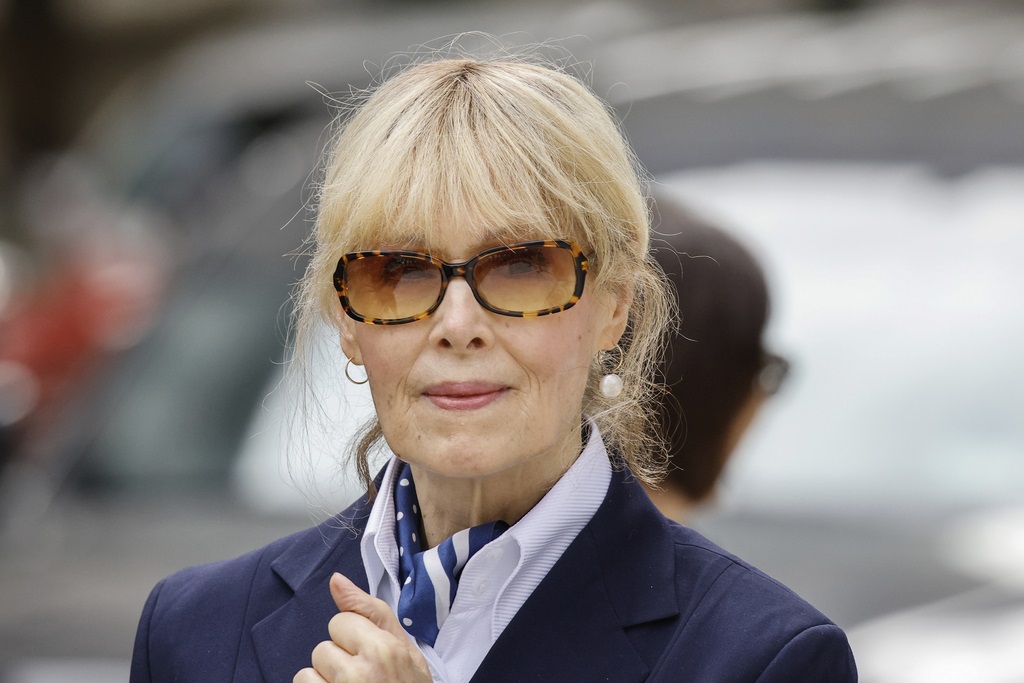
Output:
x=464 y=395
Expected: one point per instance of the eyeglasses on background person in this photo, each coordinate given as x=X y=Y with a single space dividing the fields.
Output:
x=773 y=373
x=522 y=280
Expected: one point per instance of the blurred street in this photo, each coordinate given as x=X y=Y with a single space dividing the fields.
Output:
x=871 y=154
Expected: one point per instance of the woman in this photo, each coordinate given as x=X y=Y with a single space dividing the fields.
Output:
x=485 y=233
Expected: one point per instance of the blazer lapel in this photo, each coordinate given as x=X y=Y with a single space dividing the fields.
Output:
x=284 y=639
x=585 y=618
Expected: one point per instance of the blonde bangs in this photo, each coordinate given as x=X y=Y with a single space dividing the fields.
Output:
x=467 y=144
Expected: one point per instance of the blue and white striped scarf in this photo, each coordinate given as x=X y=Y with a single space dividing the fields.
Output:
x=430 y=578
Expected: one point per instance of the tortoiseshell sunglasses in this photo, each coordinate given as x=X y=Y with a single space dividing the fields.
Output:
x=523 y=280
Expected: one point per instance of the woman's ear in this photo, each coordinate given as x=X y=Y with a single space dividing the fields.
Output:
x=349 y=343
x=616 y=323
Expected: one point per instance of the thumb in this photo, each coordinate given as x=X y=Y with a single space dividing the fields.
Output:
x=349 y=597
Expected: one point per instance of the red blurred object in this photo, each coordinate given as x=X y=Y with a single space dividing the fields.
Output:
x=52 y=336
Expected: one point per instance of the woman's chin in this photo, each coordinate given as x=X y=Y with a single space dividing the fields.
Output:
x=460 y=461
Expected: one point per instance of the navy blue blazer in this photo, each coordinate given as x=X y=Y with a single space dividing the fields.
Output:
x=635 y=597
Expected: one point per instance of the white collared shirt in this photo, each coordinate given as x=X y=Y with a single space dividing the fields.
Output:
x=499 y=578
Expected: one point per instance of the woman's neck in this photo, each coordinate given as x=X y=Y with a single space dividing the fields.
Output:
x=450 y=504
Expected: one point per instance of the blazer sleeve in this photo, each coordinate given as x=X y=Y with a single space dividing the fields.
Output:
x=192 y=624
x=739 y=625
x=820 y=653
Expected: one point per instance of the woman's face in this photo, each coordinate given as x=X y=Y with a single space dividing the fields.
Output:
x=467 y=393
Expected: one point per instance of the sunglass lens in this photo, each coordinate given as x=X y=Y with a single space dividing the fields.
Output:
x=392 y=286
x=527 y=279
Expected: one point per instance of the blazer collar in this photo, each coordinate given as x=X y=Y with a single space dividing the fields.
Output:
x=619 y=573
x=284 y=639
x=637 y=552
x=301 y=560
x=337 y=537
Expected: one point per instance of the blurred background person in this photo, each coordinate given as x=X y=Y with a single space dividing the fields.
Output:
x=717 y=369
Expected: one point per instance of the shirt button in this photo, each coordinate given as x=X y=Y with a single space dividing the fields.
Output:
x=481 y=587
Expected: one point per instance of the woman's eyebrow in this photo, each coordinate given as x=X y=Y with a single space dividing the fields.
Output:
x=484 y=241
x=479 y=241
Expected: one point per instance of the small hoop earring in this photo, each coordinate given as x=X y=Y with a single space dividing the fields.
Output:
x=349 y=377
x=611 y=383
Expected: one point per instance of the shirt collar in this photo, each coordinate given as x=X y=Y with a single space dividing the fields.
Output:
x=378 y=546
x=540 y=537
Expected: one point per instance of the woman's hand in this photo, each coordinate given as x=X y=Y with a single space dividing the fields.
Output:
x=367 y=643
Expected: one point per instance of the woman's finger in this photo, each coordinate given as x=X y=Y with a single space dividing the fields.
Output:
x=308 y=675
x=333 y=664
x=351 y=598
x=367 y=642
x=356 y=634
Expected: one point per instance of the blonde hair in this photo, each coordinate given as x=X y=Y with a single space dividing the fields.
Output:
x=470 y=144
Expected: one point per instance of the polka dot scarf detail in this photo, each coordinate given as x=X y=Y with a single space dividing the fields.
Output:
x=430 y=578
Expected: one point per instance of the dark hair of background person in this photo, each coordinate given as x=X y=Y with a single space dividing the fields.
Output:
x=715 y=358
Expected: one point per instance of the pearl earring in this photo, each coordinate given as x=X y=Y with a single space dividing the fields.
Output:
x=611 y=384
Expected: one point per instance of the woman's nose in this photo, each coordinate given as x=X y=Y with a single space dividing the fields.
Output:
x=460 y=322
